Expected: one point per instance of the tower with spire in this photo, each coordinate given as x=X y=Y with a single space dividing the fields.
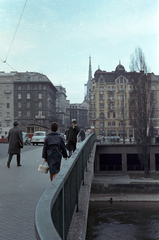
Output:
x=88 y=84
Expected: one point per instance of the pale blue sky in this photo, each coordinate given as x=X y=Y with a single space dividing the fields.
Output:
x=56 y=37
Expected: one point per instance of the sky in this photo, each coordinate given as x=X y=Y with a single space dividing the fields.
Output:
x=56 y=38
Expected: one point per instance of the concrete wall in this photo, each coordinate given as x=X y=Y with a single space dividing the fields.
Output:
x=123 y=149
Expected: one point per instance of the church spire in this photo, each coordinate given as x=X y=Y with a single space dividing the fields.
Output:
x=88 y=85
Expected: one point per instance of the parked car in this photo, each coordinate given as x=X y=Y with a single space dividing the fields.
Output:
x=38 y=137
x=26 y=139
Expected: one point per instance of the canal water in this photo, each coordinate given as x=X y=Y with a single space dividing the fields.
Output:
x=123 y=221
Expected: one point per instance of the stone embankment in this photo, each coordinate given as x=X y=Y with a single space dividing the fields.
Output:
x=122 y=188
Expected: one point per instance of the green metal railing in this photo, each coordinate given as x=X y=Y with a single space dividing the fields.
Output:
x=58 y=203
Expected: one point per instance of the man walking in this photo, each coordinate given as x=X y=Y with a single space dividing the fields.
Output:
x=72 y=137
x=15 y=143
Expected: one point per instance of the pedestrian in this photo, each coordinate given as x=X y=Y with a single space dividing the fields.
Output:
x=15 y=140
x=53 y=150
x=82 y=134
x=130 y=139
x=72 y=137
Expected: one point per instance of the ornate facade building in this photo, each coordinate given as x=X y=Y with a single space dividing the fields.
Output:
x=109 y=102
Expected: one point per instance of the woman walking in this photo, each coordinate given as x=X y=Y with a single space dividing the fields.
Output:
x=53 y=150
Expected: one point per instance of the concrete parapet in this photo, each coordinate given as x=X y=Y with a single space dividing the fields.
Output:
x=79 y=223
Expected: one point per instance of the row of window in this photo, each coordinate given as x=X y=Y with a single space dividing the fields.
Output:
x=110 y=106
x=28 y=113
x=7 y=105
x=8 y=124
x=29 y=87
x=28 y=104
x=7 y=114
x=111 y=97
x=109 y=115
x=121 y=88
x=28 y=96
x=109 y=123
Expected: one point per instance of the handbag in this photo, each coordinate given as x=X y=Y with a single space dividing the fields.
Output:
x=42 y=168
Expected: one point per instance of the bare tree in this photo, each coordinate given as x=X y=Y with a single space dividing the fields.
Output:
x=141 y=107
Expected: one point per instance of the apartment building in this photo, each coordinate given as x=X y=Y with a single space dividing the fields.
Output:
x=6 y=103
x=109 y=102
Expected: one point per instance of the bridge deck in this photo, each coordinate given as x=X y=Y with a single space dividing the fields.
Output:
x=20 y=190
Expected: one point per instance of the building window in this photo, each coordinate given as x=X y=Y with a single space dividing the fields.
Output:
x=101 y=97
x=28 y=95
x=113 y=97
x=121 y=80
x=8 y=114
x=113 y=106
x=108 y=97
x=40 y=95
x=94 y=115
x=112 y=88
x=28 y=104
x=40 y=86
x=152 y=87
x=19 y=88
x=19 y=113
x=101 y=115
x=8 y=105
x=121 y=88
x=101 y=80
x=108 y=88
x=40 y=113
x=28 y=113
x=101 y=124
x=28 y=78
x=40 y=78
x=19 y=105
x=101 y=105
x=101 y=89
x=113 y=123
x=19 y=96
x=8 y=124
x=109 y=123
x=40 y=104
x=108 y=114
x=0 y=114
x=28 y=86
x=113 y=114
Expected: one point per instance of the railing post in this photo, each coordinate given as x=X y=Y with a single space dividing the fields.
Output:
x=63 y=212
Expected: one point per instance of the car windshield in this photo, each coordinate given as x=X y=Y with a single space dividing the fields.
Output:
x=38 y=134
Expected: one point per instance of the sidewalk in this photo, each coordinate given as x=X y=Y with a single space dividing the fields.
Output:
x=20 y=190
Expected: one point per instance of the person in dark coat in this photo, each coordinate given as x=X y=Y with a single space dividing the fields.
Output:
x=82 y=134
x=72 y=137
x=53 y=150
x=15 y=140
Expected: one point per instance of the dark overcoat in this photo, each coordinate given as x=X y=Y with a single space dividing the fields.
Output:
x=72 y=138
x=53 y=150
x=14 y=136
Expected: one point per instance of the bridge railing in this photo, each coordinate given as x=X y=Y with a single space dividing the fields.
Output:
x=55 y=208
